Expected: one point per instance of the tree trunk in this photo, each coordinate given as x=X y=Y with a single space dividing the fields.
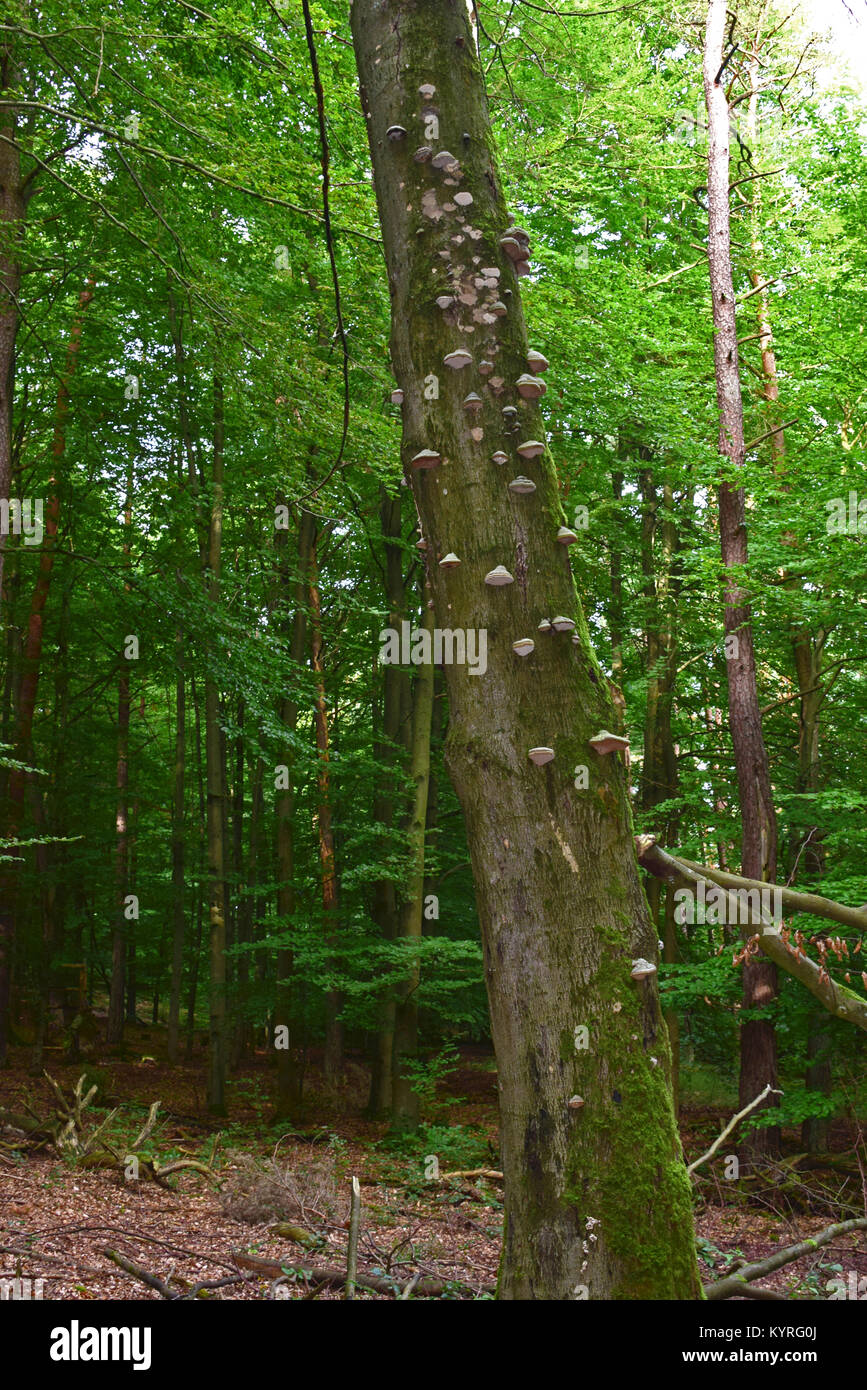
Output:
x=405 y=1101
x=12 y=212
x=385 y=911
x=216 y=792
x=758 y=819
x=178 y=845
x=31 y=663
x=286 y=1013
x=333 y=1000
x=560 y=904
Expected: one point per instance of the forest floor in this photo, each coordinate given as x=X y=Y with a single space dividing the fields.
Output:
x=57 y=1219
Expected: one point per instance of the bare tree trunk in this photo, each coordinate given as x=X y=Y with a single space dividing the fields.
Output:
x=31 y=664
x=759 y=827
x=13 y=206
x=216 y=792
x=333 y=999
x=587 y=1131
x=178 y=846
x=286 y=1013
x=405 y=1101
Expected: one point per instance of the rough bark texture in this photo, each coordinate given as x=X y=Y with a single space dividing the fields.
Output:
x=12 y=212
x=759 y=828
x=560 y=904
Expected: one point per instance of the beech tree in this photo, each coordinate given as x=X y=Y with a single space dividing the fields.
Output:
x=596 y=1193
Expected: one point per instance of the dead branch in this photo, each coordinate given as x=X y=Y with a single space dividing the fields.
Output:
x=336 y=1278
x=769 y=1090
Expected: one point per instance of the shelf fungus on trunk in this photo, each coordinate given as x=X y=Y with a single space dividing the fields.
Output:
x=510 y=414
x=486 y=367
x=537 y=362
x=531 y=448
x=458 y=359
x=449 y=562
x=499 y=576
x=642 y=969
x=566 y=536
x=531 y=387
x=606 y=742
x=545 y=625
x=499 y=457
x=575 y=1102
x=540 y=756
x=563 y=624
x=524 y=646
x=473 y=403
x=397 y=397
x=499 y=309
x=444 y=159
x=396 y=133
x=523 y=486
x=425 y=458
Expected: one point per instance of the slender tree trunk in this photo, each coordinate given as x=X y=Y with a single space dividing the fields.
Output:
x=286 y=1013
x=114 y=1033
x=758 y=818
x=560 y=904
x=12 y=213
x=405 y=1101
x=216 y=792
x=178 y=845
x=385 y=911
x=31 y=663
x=333 y=998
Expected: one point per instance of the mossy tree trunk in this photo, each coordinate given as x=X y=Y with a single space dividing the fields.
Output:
x=216 y=791
x=560 y=904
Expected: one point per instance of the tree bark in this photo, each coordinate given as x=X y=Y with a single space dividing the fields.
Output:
x=216 y=791
x=405 y=1101
x=178 y=847
x=758 y=818
x=560 y=905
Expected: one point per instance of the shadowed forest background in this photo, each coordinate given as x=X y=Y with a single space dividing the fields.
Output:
x=235 y=875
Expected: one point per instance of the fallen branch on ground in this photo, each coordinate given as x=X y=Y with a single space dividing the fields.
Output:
x=768 y=1091
x=734 y=1284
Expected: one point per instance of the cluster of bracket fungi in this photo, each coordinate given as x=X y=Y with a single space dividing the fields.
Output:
x=530 y=385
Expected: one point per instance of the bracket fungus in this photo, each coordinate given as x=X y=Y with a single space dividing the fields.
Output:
x=545 y=625
x=606 y=742
x=427 y=90
x=449 y=562
x=513 y=248
x=537 y=362
x=426 y=458
x=499 y=576
x=395 y=133
x=498 y=309
x=486 y=367
x=531 y=448
x=510 y=414
x=566 y=537
x=397 y=397
x=563 y=624
x=523 y=486
x=473 y=403
x=458 y=359
x=463 y=199
x=444 y=301
x=575 y=1102
x=531 y=387
x=422 y=154
x=444 y=159
x=421 y=543
x=524 y=646
x=500 y=457
x=642 y=969
x=540 y=756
